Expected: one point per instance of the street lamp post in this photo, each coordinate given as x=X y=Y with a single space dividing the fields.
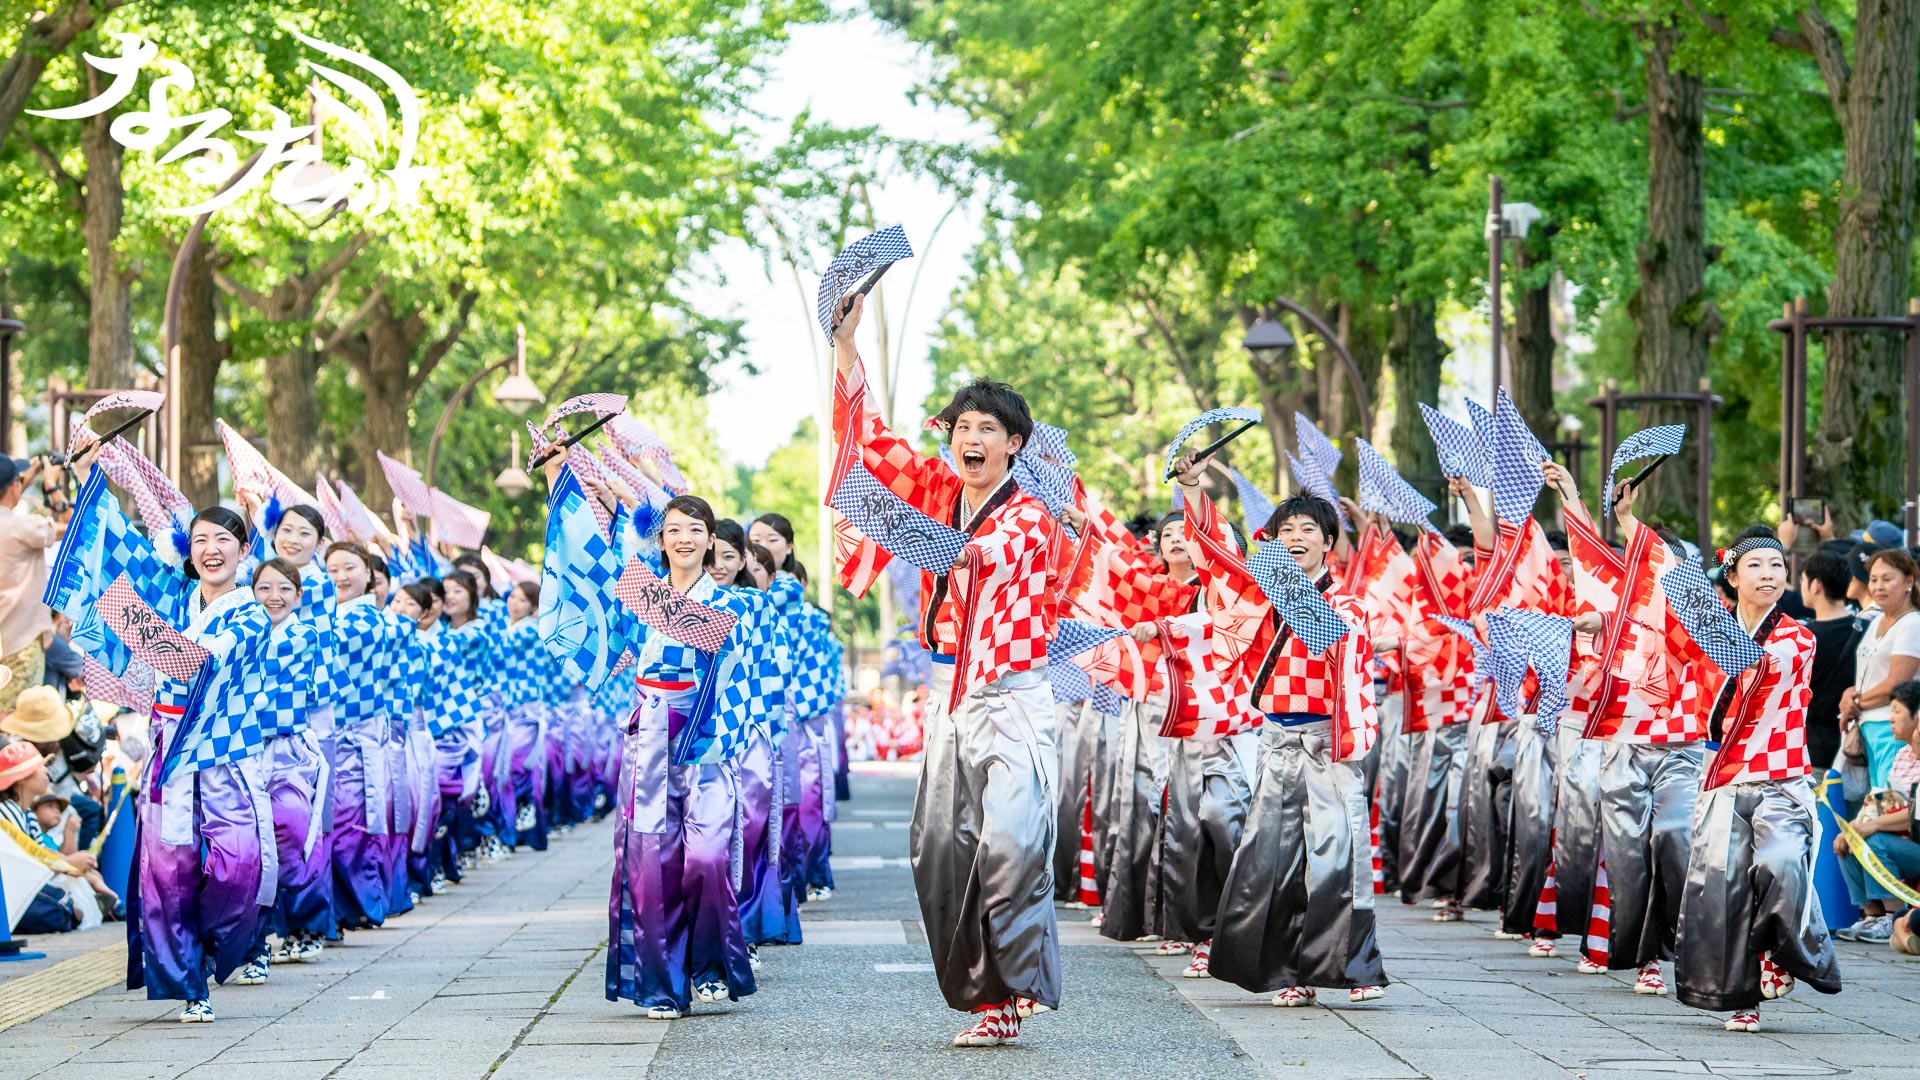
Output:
x=1269 y=341
x=8 y=328
x=516 y=394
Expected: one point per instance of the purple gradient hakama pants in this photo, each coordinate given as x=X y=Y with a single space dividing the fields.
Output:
x=496 y=772
x=205 y=840
x=768 y=912
x=362 y=852
x=671 y=914
x=298 y=787
x=527 y=753
x=805 y=841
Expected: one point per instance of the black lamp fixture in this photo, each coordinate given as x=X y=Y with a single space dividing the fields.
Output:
x=1268 y=341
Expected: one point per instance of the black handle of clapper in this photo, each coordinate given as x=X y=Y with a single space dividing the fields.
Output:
x=1223 y=440
x=554 y=450
x=1644 y=473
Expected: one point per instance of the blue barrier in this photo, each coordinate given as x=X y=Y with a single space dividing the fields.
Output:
x=1828 y=882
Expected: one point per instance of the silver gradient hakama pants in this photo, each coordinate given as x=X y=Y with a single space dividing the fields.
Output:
x=1577 y=845
x=1429 y=828
x=1204 y=814
x=1486 y=797
x=1297 y=908
x=1529 y=828
x=982 y=840
x=1647 y=797
x=1390 y=786
x=1071 y=719
x=1750 y=890
x=1140 y=763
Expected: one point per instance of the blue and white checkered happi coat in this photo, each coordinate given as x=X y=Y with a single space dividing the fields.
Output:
x=365 y=641
x=280 y=677
x=524 y=664
x=812 y=680
x=447 y=693
x=762 y=686
x=225 y=726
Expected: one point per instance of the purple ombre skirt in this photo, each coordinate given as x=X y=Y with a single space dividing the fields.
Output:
x=672 y=918
x=298 y=787
x=362 y=853
x=205 y=842
x=769 y=914
x=806 y=841
x=526 y=741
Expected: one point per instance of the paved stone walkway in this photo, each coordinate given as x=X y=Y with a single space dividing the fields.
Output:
x=504 y=978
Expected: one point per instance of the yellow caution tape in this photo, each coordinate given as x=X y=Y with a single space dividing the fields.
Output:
x=1869 y=862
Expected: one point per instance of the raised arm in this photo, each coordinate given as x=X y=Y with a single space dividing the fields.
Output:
x=925 y=483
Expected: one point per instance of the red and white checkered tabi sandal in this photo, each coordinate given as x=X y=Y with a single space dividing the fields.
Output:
x=1744 y=1021
x=1366 y=993
x=1173 y=948
x=1543 y=948
x=993 y=1025
x=1775 y=981
x=1650 y=981
x=1201 y=966
x=1294 y=997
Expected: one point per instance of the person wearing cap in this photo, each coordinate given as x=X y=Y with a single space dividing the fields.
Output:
x=25 y=624
x=42 y=718
x=69 y=896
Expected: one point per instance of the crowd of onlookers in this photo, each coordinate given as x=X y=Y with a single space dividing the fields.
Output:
x=884 y=730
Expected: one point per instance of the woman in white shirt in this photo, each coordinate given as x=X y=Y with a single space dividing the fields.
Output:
x=1889 y=655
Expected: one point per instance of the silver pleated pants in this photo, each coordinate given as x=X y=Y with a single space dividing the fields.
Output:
x=1139 y=786
x=1390 y=792
x=1486 y=794
x=1529 y=829
x=1200 y=827
x=1297 y=909
x=1429 y=827
x=1577 y=843
x=982 y=841
x=1750 y=890
x=1647 y=798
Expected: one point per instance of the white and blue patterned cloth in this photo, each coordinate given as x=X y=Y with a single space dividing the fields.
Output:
x=851 y=267
x=1645 y=443
x=1547 y=642
x=891 y=522
x=582 y=624
x=1696 y=604
x=1296 y=598
x=1462 y=453
x=1314 y=482
x=1253 y=502
x=1384 y=491
x=1517 y=455
x=367 y=644
x=1315 y=448
x=1211 y=416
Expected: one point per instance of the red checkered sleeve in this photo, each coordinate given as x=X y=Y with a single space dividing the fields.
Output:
x=1241 y=614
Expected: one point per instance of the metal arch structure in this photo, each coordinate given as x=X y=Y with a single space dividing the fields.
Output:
x=1704 y=401
x=1797 y=326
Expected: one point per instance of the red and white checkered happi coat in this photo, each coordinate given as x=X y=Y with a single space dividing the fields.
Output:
x=1001 y=606
x=1437 y=663
x=1337 y=683
x=1208 y=692
x=1648 y=693
x=1522 y=572
x=1764 y=731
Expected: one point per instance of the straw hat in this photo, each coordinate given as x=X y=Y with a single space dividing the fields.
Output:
x=39 y=716
x=18 y=761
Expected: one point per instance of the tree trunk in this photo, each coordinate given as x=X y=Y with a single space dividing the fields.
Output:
x=386 y=378
x=1862 y=436
x=293 y=411
x=201 y=355
x=110 y=363
x=1415 y=355
x=42 y=40
x=1530 y=345
x=1674 y=321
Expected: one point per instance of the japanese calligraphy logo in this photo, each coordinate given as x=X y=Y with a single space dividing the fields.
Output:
x=210 y=160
